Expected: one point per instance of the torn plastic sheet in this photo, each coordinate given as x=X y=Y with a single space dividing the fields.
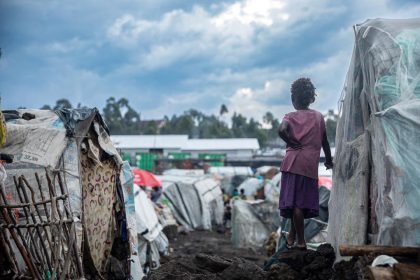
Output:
x=377 y=139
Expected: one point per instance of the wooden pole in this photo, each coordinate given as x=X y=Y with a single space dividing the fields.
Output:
x=407 y=271
x=9 y=219
x=381 y=273
x=361 y=250
x=67 y=207
x=23 y=181
x=29 y=230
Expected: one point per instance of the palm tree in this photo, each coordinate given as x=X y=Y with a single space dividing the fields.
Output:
x=223 y=110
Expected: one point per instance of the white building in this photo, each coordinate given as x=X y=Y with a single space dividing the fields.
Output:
x=165 y=144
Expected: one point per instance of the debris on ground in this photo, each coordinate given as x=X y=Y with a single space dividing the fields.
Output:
x=292 y=264
x=378 y=262
x=204 y=266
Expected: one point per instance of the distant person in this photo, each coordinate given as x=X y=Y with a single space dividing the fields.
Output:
x=156 y=193
x=225 y=197
x=235 y=193
x=227 y=217
x=242 y=195
x=304 y=133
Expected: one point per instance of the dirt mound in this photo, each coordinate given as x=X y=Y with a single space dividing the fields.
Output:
x=353 y=269
x=207 y=267
x=298 y=264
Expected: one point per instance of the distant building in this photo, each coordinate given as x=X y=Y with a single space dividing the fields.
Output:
x=231 y=147
x=131 y=146
x=160 y=144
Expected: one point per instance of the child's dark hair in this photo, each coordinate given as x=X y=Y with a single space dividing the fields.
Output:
x=303 y=91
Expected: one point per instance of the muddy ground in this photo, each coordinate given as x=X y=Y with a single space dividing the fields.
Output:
x=210 y=256
x=211 y=243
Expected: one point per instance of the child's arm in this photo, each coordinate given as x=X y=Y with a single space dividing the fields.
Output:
x=327 y=151
x=284 y=127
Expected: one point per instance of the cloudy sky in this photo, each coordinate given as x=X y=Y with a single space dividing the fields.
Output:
x=167 y=56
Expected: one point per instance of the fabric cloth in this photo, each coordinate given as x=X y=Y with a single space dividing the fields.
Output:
x=98 y=188
x=298 y=191
x=306 y=127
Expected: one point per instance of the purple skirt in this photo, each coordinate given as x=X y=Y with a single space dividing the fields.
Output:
x=298 y=191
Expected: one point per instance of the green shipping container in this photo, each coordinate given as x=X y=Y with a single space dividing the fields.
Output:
x=213 y=159
x=212 y=156
x=145 y=161
x=179 y=155
x=126 y=157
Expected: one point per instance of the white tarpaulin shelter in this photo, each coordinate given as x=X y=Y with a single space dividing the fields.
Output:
x=149 y=230
x=376 y=177
x=272 y=188
x=248 y=229
x=231 y=170
x=196 y=202
x=250 y=186
x=184 y=172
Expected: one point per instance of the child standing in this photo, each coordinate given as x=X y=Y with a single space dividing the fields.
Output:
x=304 y=133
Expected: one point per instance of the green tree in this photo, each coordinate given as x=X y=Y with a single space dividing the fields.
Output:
x=268 y=118
x=121 y=117
x=212 y=127
x=150 y=127
x=239 y=125
x=46 y=107
x=331 y=126
x=184 y=124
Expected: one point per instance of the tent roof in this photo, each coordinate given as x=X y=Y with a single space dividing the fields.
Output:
x=183 y=143
x=149 y=141
x=222 y=144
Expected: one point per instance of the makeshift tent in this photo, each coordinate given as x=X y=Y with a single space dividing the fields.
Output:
x=376 y=178
x=325 y=182
x=196 y=202
x=323 y=171
x=250 y=186
x=231 y=170
x=152 y=240
x=272 y=188
x=253 y=221
x=65 y=204
x=229 y=183
x=184 y=172
x=145 y=178
x=267 y=171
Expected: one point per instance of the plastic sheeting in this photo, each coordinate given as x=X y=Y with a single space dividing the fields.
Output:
x=196 y=203
x=272 y=188
x=184 y=172
x=231 y=170
x=250 y=186
x=126 y=177
x=376 y=179
x=150 y=251
x=146 y=218
x=248 y=229
x=39 y=141
x=149 y=231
